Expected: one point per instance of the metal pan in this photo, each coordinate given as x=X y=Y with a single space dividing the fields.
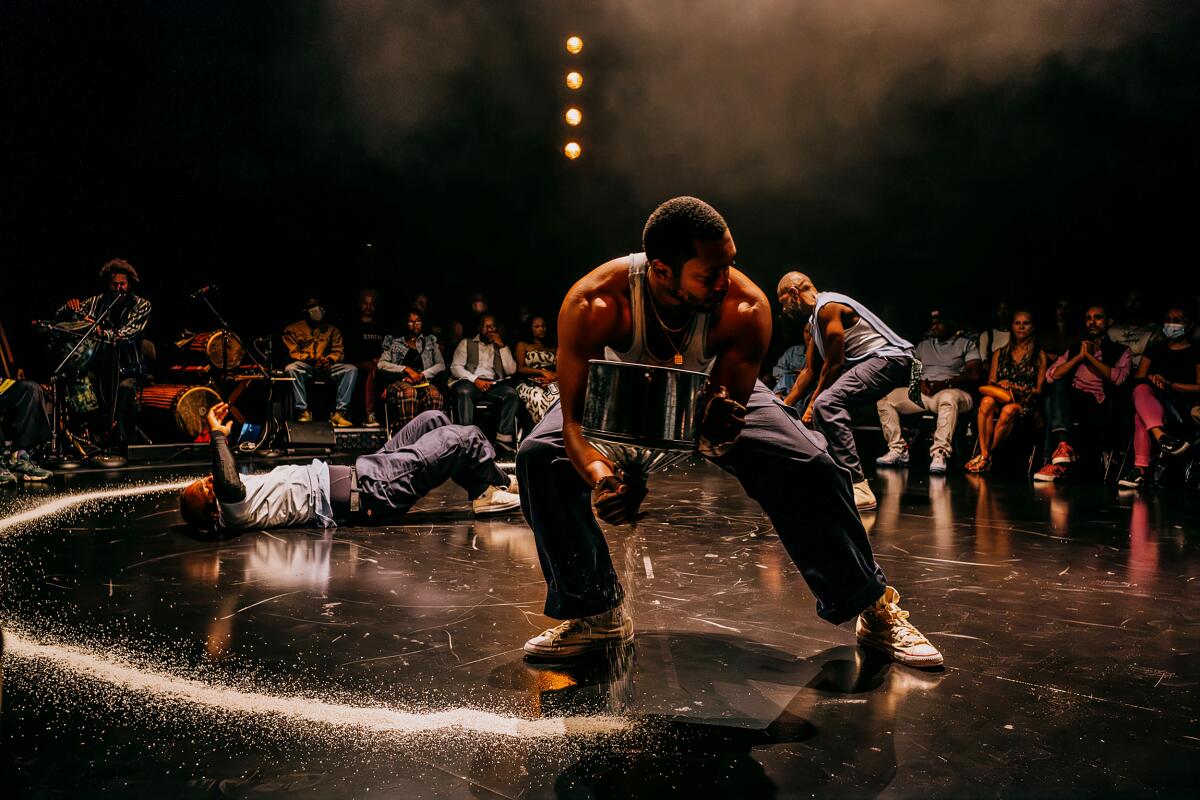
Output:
x=653 y=408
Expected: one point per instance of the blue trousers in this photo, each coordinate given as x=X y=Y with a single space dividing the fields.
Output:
x=866 y=381
x=423 y=455
x=342 y=373
x=780 y=463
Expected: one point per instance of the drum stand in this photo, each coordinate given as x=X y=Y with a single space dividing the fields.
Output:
x=59 y=458
x=274 y=426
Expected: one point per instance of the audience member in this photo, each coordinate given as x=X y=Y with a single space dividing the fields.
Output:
x=951 y=367
x=1168 y=386
x=537 y=364
x=1134 y=329
x=364 y=343
x=1082 y=381
x=997 y=334
x=1057 y=339
x=479 y=366
x=1012 y=392
x=24 y=422
x=407 y=366
x=861 y=359
x=316 y=350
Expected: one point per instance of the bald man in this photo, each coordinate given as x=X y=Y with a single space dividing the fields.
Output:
x=683 y=304
x=861 y=359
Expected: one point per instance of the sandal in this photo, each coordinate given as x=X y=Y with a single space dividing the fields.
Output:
x=979 y=464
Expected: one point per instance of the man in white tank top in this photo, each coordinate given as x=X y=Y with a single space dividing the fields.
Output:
x=683 y=304
x=861 y=359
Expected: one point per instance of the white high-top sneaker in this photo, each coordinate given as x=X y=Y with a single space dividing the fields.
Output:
x=574 y=637
x=885 y=627
x=864 y=498
x=495 y=501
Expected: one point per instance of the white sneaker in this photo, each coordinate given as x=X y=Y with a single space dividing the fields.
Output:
x=885 y=627
x=574 y=637
x=495 y=501
x=893 y=458
x=937 y=464
x=864 y=498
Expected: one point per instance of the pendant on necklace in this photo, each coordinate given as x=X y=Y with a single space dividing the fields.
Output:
x=678 y=359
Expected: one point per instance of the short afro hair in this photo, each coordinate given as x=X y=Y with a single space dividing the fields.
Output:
x=671 y=232
x=121 y=267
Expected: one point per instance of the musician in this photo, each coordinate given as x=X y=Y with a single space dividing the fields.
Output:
x=682 y=304
x=117 y=364
x=316 y=348
x=423 y=455
x=24 y=422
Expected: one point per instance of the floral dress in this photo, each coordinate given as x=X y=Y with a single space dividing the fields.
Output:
x=538 y=398
x=1022 y=375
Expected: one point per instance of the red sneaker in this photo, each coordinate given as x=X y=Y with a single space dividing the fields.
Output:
x=1050 y=473
x=1063 y=454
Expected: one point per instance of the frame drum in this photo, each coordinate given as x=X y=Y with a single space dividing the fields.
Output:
x=170 y=409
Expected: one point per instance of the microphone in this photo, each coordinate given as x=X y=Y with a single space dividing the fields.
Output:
x=202 y=291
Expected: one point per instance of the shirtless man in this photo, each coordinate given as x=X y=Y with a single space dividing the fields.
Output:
x=683 y=304
x=424 y=454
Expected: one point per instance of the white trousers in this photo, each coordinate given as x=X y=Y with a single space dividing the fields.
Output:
x=947 y=404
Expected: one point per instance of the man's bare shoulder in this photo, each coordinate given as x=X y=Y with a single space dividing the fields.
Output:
x=602 y=292
x=745 y=303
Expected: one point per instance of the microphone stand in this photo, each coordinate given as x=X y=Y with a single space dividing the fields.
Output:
x=273 y=425
x=56 y=375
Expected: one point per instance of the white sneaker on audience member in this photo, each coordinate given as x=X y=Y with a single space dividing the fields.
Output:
x=893 y=458
x=937 y=464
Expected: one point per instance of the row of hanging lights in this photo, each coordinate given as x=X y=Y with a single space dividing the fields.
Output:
x=573 y=116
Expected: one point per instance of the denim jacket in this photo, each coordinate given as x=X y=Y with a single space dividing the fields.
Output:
x=394 y=351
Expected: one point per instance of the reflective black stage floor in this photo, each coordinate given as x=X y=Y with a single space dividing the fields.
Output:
x=386 y=662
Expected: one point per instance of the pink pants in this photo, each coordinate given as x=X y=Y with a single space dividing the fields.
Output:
x=1147 y=414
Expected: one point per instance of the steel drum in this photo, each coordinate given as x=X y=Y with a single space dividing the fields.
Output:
x=644 y=418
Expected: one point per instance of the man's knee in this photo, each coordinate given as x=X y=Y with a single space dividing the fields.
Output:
x=463 y=388
x=827 y=406
x=430 y=419
x=296 y=369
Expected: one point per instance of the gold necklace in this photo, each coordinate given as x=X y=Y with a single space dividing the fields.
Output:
x=667 y=331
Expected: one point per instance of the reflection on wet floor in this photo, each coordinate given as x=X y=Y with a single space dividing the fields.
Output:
x=1065 y=612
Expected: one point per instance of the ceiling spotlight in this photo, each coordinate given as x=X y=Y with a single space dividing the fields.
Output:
x=574 y=80
x=574 y=116
x=572 y=150
x=574 y=45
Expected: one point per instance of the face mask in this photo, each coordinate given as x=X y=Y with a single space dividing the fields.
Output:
x=316 y=313
x=1174 y=330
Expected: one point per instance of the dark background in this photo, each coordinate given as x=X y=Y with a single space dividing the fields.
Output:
x=283 y=149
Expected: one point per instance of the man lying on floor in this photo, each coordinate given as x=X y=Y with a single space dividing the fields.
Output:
x=420 y=457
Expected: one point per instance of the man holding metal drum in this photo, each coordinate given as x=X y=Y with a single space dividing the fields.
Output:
x=683 y=304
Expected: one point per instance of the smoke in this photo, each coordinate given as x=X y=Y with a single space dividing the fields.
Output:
x=711 y=94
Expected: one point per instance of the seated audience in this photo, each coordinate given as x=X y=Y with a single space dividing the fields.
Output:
x=996 y=336
x=407 y=366
x=1168 y=386
x=1134 y=329
x=537 y=362
x=479 y=366
x=316 y=350
x=24 y=422
x=788 y=368
x=1012 y=392
x=951 y=367
x=423 y=455
x=364 y=342
x=1082 y=382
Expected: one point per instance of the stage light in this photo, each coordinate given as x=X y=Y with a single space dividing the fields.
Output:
x=573 y=116
x=574 y=80
x=574 y=45
x=572 y=150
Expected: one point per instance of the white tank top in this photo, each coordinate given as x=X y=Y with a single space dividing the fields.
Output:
x=693 y=338
x=861 y=339
x=293 y=494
